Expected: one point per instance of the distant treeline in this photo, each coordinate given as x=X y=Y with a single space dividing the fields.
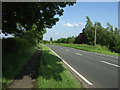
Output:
x=109 y=36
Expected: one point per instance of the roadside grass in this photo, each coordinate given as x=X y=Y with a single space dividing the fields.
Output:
x=53 y=74
x=14 y=60
x=97 y=48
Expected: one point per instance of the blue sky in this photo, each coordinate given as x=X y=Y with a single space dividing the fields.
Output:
x=74 y=18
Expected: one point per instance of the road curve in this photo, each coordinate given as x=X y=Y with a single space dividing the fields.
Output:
x=100 y=70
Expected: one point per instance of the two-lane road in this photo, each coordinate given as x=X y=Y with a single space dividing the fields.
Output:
x=100 y=70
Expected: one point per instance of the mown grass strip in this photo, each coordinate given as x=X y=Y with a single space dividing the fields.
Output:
x=53 y=74
x=97 y=48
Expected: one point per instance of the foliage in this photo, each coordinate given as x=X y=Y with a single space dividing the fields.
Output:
x=45 y=41
x=108 y=37
x=13 y=45
x=81 y=38
x=66 y=40
x=19 y=17
x=51 y=40
x=16 y=54
x=71 y=39
x=33 y=35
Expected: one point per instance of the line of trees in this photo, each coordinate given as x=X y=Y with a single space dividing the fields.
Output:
x=65 y=40
x=109 y=36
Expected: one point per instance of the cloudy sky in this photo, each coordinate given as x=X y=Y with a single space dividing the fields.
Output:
x=74 y=18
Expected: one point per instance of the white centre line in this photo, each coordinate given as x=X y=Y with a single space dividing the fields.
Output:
x=67 y=50
x=78 y=54
x=81 y=76
x=110 y=64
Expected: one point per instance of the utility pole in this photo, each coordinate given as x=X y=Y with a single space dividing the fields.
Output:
x=95 y=35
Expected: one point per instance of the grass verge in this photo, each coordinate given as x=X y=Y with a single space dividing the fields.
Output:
x=14 y=60
x=97 y=48
x=53 y=74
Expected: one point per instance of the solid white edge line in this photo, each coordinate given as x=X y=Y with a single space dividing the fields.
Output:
x=88 y=82
x=78 y=54
x=110 y=64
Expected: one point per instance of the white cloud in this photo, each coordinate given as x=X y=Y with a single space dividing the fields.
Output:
x=56 y=33
x=74 y=24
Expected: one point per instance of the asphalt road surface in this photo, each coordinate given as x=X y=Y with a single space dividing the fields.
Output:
x=100 y=70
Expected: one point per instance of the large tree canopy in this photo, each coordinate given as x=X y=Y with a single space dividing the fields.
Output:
x=19 y=17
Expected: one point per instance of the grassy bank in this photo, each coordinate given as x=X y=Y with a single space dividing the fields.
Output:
x=16 y=54
x=97 y=48
x=53 y=74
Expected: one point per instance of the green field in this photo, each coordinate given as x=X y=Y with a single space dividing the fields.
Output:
x=53 y=74
x=97 y=48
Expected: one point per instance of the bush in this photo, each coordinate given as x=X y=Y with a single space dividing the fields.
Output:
x=16 y=54
x=99 y=47
x=12 y=45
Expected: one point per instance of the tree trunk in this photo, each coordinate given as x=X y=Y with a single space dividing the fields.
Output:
x=95 y=37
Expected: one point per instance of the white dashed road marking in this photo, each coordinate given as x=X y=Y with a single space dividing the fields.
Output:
x=100 y=54
x=78 y=54
x=110 y=64
x=67 y=50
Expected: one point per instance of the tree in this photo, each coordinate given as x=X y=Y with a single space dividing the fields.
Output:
x=19 y=17
x=110 y=27
x=109 y=37
x=95 y=34
x=98 y=33
x=89 y=32
x=33 y=35
x=51 y=39
x=80 y=39
x=70 y=39
x=114 y=43
x=66 y=40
